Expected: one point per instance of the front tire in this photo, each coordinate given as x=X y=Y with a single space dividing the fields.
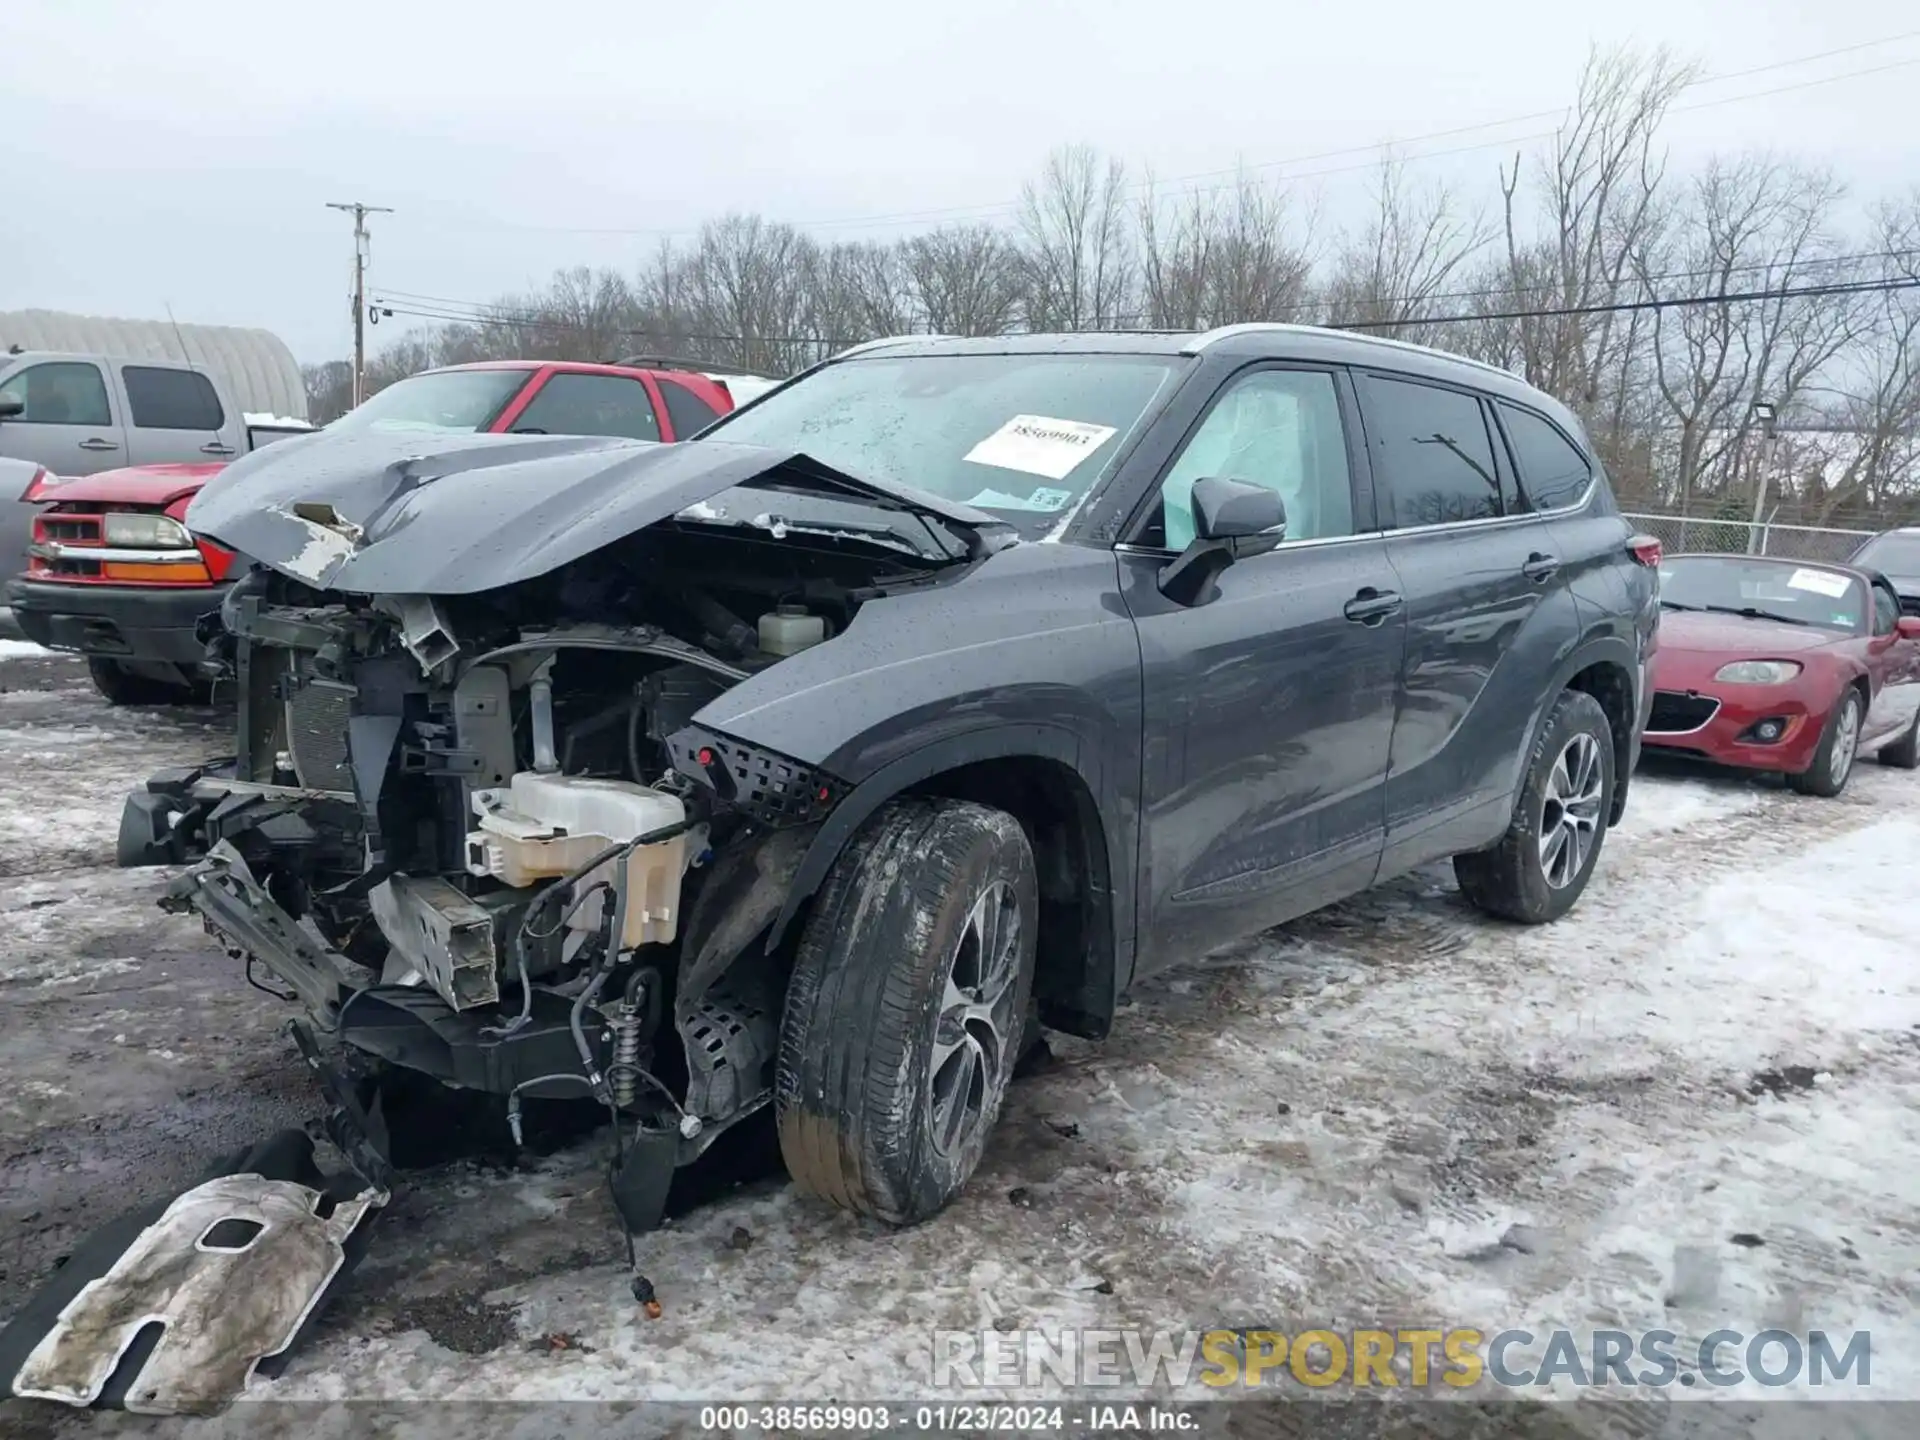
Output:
x=907 y=1007
x=1839 y=747
x=1543 y=862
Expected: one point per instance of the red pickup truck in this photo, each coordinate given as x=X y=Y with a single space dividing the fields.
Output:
x=113 y=574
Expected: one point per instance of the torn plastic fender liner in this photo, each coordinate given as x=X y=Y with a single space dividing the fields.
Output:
x=371 y=514
x=169 y=1309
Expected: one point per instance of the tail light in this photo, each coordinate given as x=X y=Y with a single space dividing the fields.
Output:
x=43 y=480
x=1646 y=550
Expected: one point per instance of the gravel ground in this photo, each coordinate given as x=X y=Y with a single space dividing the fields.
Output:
x=1694 y=1103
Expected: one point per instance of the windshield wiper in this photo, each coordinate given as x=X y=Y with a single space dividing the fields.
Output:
x=1666 y=604
x=1753 y=612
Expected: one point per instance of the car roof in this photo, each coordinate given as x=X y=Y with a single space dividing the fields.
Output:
x=1256 y=341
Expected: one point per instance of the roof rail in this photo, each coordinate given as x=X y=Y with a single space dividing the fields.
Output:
x=1255 y=327
x=864 y=346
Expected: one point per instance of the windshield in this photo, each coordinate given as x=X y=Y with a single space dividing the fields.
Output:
x=1893 y=554
x=456 y=400
x=1024 y=436
x=1767 y=589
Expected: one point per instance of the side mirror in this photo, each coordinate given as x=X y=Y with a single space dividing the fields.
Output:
x=10 y=406
x=1231 y=521
x=1907 y=627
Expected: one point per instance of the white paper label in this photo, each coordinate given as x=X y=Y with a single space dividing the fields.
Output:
x=1043 y=501
x=1820 y=582
x=1040 y=445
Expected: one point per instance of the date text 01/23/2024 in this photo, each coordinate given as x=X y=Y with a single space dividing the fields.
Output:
x=945 y=1419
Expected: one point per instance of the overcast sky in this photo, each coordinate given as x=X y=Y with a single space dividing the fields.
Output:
x=182 y=153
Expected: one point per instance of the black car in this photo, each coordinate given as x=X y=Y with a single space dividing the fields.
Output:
x=1895 y=554
x=936 y=696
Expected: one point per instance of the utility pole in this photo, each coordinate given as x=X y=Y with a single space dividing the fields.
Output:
x=1766 y=415
x=359 y=213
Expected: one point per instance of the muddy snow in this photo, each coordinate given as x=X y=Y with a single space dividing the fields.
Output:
x=1693 y=1105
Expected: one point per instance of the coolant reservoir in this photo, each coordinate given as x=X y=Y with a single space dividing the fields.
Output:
x=544 y=826
x=790 y=629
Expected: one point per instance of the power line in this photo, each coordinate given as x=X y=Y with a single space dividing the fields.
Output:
x=1800 y=292
x=1620 y=307
x=1373 y=149
x=482 y=312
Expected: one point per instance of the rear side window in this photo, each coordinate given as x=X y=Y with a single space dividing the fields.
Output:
x=590 y=405
x=688 y=412
x=1552 y=471
x=60 y=392
x=1438 y=456
x=171 y=399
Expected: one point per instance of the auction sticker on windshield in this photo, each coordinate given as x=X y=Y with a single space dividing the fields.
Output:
x=1820 y=582
x=1040 y=445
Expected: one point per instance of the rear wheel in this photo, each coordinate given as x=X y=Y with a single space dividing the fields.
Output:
x=907 y=1009
x=1545 y=859
x=123 y=686
x=1839 y=746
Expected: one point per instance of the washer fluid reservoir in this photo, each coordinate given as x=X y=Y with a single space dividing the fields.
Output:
x=789 y=629
x=542 y=826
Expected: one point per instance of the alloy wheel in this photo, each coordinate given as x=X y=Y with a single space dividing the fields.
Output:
x=977 y=1023
x=1846 y=740
x=1570 y=815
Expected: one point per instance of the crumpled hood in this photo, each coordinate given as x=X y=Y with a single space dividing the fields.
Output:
x=400 y=514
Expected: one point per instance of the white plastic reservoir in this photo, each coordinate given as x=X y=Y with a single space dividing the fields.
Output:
x=789 y=629
x=543 y=826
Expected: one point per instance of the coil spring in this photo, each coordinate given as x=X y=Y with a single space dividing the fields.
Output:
x=625 y=1070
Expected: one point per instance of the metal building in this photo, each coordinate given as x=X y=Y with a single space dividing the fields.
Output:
x=255 y=366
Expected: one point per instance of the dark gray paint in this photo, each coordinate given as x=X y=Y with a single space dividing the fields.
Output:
x=1338 y=711
x=520 y=505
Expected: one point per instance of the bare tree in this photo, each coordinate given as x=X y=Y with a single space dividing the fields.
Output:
x=1749 y=226
x=1218 y=255
x=861 y=291
x=1596 y=195
x=965 y=280
x=1870 y=464
x=1076 y=245
x=745 y=287
x=1388 y=273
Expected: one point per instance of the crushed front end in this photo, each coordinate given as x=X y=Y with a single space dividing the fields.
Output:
x=482 y=836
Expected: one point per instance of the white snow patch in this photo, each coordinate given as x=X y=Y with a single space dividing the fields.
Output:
x=1660 y=806
x=1391 y=1112
x=27 y=650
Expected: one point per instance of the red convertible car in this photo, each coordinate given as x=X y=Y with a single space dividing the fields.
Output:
x=1784 y=665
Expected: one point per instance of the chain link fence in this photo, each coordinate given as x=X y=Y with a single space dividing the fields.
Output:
x=1692 y=535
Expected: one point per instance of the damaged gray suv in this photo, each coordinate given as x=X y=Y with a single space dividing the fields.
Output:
x=934 y=697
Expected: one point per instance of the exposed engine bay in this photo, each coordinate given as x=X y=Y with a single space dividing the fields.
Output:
x=480 y=835
x=475 y=828
x=482 y=838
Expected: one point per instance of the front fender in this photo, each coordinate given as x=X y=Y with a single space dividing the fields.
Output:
x=903 y=774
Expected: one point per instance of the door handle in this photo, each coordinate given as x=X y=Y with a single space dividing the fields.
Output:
x=1371 y=606
x=96 y=443
x=216 y=448
x=1540 y=568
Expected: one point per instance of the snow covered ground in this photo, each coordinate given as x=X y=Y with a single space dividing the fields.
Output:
x=1390 y=1114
